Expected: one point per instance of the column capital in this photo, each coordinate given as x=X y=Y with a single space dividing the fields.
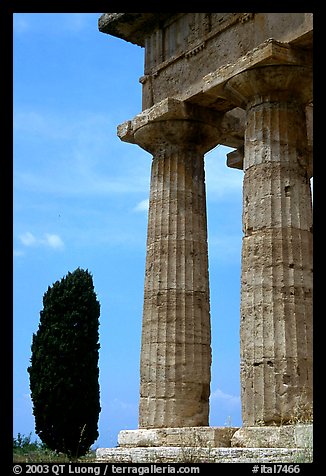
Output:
x=178 y=123
x=162 y=137
x=289 y=83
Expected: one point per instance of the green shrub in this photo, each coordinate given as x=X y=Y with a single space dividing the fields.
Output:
x=24 y=443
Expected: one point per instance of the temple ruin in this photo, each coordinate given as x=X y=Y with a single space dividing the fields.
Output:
x=243 y=80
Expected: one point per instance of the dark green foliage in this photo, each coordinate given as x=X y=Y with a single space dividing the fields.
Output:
x=64 y=366
x=24 y=443
x=27 y=451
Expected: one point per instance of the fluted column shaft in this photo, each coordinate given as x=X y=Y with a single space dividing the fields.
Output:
x=276 y=280
x=175 y=349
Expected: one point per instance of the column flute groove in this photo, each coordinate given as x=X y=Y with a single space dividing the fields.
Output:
x=276 y=304
x=175 y=379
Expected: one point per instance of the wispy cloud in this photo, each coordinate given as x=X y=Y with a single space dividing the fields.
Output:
x=17 y=253
x=75 y=22
x=221 y=181
x=49 y=240
x=75 y=156
x=28 y=239
x=78 y=149
x=53 y=241
x=42 y=125
x=118 y=405
x=225 y=247
x=52 y=24
x=142 y=206
x=218 y=394
x=21 y=23
x=225 y=409
x=47 y=124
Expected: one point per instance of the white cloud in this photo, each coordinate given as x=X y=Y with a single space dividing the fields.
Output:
x=28 y=239
x=225 y=247
x=21 y=25
x=17 y=253
x=221 y=181
x=52 y=24
x=76 y=22
x=218 y=394
x=54 y=241
x=127 y=407
x=225 y=409
x=47 y=125
x=50 y=240
x=142 y=206
x=80 y=156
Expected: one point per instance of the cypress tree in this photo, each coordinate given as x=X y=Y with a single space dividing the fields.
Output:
x=64 y=366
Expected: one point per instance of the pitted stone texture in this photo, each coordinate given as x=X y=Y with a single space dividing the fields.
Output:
x=189 y=454
x=276 y=280
x=181 y=49
x=215 y=127
x=190 y=436
x=175 y=350
x=263 y=66
x=286 y=436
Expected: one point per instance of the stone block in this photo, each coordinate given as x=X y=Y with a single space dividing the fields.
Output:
x=172 y=454
x=207 y=437
x=287 y=436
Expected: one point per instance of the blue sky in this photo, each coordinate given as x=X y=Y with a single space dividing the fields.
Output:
x=81 y=199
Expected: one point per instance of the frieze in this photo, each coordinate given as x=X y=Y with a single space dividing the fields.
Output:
x=195 y=50
x=186 y=36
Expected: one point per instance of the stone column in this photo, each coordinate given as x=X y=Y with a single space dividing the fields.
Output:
x=175 y=348
x=276 y=292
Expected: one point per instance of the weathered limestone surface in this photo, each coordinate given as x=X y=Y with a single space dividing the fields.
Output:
x=189 y=454
x=285 y=436
x=203 y=436
x=229 y=126
x=288 y=444
x=182 y=48
x=276 y=281
x=175 y=349
x=242 y=80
